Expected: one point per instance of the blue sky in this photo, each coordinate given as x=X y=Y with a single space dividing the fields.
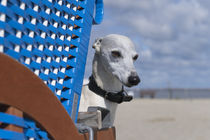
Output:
x=171 y=36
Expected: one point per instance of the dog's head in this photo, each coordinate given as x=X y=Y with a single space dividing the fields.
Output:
x=117 y=56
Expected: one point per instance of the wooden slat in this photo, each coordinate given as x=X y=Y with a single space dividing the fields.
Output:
x=16 y=112
x=22 y=89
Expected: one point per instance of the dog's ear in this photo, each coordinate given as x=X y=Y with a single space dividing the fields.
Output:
x=97 y=44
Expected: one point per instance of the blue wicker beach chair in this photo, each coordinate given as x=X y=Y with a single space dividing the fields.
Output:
x=50 y=38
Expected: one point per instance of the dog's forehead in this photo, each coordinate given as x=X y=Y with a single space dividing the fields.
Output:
x=117 y=42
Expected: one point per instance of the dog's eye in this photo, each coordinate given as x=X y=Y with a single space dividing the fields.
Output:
x=116 y=54
x=135 y=57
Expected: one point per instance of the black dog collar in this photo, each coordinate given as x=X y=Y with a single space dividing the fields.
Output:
x=118 y=97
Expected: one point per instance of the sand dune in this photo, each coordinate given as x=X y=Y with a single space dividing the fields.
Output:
x=145 y=119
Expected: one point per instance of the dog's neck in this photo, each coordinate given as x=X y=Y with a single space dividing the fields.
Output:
x=104 y=79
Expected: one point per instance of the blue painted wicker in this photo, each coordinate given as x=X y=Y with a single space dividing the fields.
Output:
x=51 y=38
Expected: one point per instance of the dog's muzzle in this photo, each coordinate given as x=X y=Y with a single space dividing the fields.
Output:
x=133 y=79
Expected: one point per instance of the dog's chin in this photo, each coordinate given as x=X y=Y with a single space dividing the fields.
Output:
x=125 y=83
x=129 y=85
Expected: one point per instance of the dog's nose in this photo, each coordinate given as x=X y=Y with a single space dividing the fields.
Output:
x=134 y=79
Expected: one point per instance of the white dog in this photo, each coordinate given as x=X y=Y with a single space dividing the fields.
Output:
x=112 y=68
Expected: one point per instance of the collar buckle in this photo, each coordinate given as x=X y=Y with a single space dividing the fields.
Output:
x=106 y=95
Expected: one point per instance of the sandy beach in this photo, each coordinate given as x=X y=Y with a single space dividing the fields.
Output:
x=145 y=119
